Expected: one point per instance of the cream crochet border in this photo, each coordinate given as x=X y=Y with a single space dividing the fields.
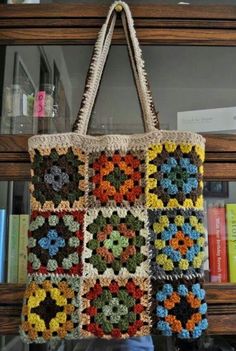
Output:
x=113 y=142
x=98 y=62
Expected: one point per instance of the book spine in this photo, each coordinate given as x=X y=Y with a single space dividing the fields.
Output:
x=23 y=241
x=206 y=266
x=231 y=229
x=217 y=244
x=13 y=243
x=2 y=244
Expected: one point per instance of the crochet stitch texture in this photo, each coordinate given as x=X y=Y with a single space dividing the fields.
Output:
x=136 y=265
x=116 y=233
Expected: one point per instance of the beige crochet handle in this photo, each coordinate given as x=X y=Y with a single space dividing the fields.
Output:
x=99 y=57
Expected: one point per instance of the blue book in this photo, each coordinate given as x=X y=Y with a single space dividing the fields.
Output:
x=2 y=244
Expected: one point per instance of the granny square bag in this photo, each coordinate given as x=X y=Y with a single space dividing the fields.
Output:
x=116 y=233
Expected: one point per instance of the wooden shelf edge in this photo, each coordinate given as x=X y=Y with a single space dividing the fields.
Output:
x=216 y=293
x=14 y=143
x=138 y=10
x=221 y=315
x=147 y=36
x=215 y=143
x=219 y=149
x=181 y=25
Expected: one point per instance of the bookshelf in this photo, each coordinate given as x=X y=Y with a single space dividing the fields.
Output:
x=156 y=24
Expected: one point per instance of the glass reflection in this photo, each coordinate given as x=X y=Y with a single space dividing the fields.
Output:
x=42 y=86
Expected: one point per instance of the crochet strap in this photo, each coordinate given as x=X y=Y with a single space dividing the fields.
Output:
x=99 y=57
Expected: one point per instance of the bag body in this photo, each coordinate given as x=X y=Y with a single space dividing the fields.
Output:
x=116 y=239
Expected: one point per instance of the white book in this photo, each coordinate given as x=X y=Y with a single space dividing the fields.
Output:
x=210 y=120
x=206 y=245
x=23 y=1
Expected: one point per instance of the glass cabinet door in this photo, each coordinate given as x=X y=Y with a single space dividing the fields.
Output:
x=41 y=88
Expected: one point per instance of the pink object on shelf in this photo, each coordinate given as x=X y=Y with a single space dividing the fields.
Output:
x=39 y=105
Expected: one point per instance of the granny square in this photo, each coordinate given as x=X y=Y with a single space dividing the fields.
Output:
x=174 y=175
x=116 y=178
x=50 y=308
x=179 y=308
x=58 y=178
x=177 y=239
x=116 y=242
x=117 y=308
x=56 y=242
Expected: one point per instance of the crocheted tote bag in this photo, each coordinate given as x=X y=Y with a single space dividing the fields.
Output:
x=116 y=233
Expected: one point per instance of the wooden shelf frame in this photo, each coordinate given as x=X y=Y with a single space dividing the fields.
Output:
x=66 y=24
x=220 y=149
x=79 y=24
x=221 y=300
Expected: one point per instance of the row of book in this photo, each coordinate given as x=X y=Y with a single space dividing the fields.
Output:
x=221 y=224
x=13 y=247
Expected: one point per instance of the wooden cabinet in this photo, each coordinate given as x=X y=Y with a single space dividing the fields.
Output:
x=156 y=24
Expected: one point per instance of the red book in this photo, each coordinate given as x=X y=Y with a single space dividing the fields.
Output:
x=217 y=244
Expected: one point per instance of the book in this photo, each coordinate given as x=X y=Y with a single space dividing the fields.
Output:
x=210 y=120
x=206 y=267
x=231 y=230
x=13 y=244
x=217 y=243
x=22 y=252
x=2 y=243
x=23 y=1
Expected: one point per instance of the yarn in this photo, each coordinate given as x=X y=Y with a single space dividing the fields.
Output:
x=116 y=231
